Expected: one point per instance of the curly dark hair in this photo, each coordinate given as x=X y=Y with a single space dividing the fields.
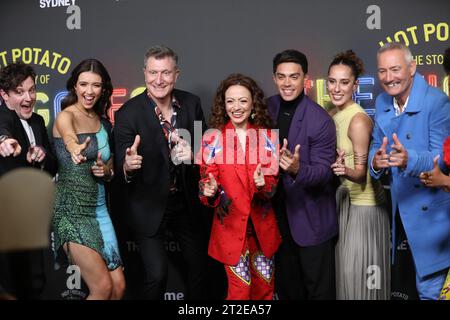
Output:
x=446 y=62
x=95 y=66
x=261 y=115
x=349 y=59
x=14 y=74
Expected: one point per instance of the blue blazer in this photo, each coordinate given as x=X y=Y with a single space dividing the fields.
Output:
x=425 y=212
x=310 y=196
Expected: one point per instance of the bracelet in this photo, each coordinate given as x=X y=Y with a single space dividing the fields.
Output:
x=3 y=137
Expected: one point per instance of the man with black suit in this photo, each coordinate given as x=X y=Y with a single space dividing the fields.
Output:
x=23 y=136
x=161 y=180
x=23 y=143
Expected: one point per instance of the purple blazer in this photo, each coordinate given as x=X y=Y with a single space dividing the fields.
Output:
x=310 y=196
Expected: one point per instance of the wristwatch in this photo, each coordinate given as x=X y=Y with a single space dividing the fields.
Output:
x=3 y=137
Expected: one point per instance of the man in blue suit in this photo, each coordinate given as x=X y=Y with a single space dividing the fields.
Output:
x=412 y=120
x=305 y=200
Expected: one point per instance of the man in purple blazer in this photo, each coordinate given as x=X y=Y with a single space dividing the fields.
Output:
x=305 y=199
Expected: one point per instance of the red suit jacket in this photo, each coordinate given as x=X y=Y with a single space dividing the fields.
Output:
x=234 y=175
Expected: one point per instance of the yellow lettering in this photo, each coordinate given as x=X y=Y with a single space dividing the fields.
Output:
x=419 y=59
x=27 y=55
x=3 y=56
x=64 y=65
x=56 y=56
x=428 y=29
x=442 y=36
x=322 y=97
x=45 y=114
x=42 y=97
x=45 y=60
x=403 y=35
x=36 y=54
x=16 y=53
x=412 y=31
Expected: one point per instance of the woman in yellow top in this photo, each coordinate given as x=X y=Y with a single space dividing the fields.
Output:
x=362 y=251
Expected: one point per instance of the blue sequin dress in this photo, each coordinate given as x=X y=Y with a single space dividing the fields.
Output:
x=81 y=215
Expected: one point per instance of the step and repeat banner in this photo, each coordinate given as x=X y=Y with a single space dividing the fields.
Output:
x=213 y=39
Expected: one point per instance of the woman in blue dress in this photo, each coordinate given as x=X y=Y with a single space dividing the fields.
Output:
x=83 y=231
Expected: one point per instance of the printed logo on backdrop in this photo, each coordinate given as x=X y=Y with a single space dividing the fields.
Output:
x=374 y=277
x=73 y=21
x=411 y=35
x=73 y=284
x=170 y=244
x=54 y=64
x=374 y=20
x=418 y=37
x=423 y=35
x=173 y=296
x=403 y=246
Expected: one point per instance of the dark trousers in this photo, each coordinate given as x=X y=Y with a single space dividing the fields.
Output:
x=303 y=273
x=152 y=250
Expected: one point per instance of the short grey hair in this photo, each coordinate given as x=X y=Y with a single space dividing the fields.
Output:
x=159 y=52
x=396 y=46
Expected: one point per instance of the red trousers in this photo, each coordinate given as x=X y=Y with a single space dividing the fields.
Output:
x=253 y=277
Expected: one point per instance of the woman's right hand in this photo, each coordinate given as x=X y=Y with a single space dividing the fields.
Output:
x=77 y=151
x=338 y=166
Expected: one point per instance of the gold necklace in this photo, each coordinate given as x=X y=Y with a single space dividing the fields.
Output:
x=92 y=116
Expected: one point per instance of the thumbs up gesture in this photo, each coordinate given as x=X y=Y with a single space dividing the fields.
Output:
x=182 y=152
x=435 y=178
x=381 y=158
x=338 y=166
x=210 y=186
x=100 y=169
x=398 y=157
x=78 y=153
x=133 y=161
x=258 y=177
x=290 y=162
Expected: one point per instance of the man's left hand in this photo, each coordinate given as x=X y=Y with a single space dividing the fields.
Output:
x=398 y=157
x=183 y=151
x=289 y=162
x=36 y=154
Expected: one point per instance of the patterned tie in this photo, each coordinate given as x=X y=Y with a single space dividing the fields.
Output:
x=168 y=129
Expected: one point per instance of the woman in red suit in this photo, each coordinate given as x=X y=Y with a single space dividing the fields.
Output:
x=239 y=171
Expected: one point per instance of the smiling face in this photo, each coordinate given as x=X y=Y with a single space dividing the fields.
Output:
x=289 y=79
x=396 y=74
x=21 y=99
x=160 y=77
x=238 y=105
x=88 y=89
x=341 y=84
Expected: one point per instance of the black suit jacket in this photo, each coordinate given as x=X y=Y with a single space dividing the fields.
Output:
x=149 y=187
x=11 y=126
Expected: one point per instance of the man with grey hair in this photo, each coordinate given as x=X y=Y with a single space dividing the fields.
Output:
x=162 y=194
x=412 y=119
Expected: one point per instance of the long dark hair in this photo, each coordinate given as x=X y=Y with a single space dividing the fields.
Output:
x=104 y=102
x=261 y=115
